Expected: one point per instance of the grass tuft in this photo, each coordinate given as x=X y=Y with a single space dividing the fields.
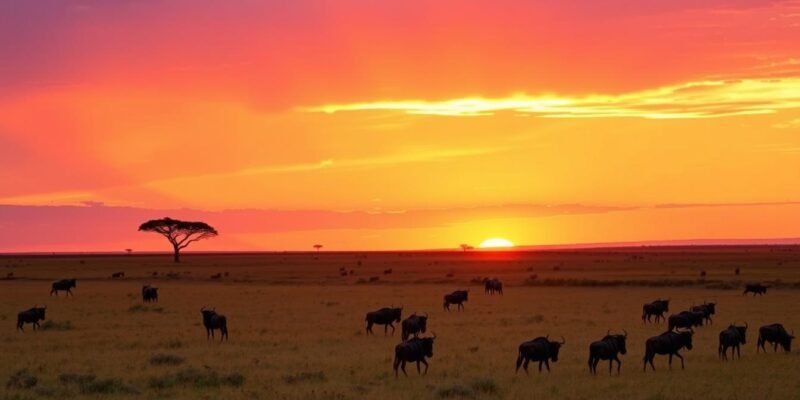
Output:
x=143 y=308
x=166 y=359
x=305 y=377
x=197 y=378
x=56 y=326
x=90 y=385
x=22 y=379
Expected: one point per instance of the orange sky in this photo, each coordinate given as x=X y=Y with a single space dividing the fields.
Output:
x=368 y=125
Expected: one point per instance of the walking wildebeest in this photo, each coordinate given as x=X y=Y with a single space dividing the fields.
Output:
x=385 y=316
x=149 y=294
x=458 y=297
x=775 y=334
x=732 y=337
x=755 y=288
x=213 y=321
x=540 y=349
x=414 y=350
x=686 y=319
x=607 y=348
x=118 y=275
x=492 y=286
x=63 y=285
x=414 y=325
x=667 y=343
x=656 y=308
x=31 y=316
x=708 y=309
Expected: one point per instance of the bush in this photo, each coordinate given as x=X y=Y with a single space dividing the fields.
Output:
x=144 y=308
x=89 y=384
x=485 y=386
x=197 y=378
x=455 y=391
x=22 y=379
x=171 y=344
x=56 y=326
x=165 y=359
x=305 y=377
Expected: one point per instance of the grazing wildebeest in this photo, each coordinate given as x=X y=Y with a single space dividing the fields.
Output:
x=118 y=275
x=607 y=348
x=213 y=321
x=31 y=316
x=656 y=308
x=686 y=319
x=63 y=285
x=667 y=343
x=414 y=350
x=414 y=325
x=149 y=294
x=385 y=316
x=775 y=334
x=732 y=337
x=708 y=309
x=387 y=271
x=540 y=349
x=755 y=288
x=492 y=286
x=458 y=297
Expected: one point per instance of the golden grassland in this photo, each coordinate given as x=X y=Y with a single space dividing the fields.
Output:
x=297 y=326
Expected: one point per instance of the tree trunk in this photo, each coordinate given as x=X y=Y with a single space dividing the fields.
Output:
x=177 y=254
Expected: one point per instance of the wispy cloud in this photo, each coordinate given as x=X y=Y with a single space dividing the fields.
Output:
x=702 y=99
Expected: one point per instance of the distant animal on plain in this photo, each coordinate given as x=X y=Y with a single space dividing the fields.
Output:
x=387 y=271
x=492 y=286
x=414 y=350
x=414 y=325
x=541 y=349
x=30 y=316
x=668 y=343
x=374 y=278
x=64 y=285
x=458 y=297
x=732 y=338
x=607 y=348
x=216 y=276
x=118 y=275
x=149 y=294
x=775 y=334
x=755 y=289
x=213 y=321
x=657 y=308
x=385 y=316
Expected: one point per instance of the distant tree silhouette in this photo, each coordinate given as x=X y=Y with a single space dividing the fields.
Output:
x=466 y=247
x=317 y=246
x=129 y=251
x=180 y=234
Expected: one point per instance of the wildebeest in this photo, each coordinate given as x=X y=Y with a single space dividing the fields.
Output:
x=414 y=325
x=31 y=316
x=670 y=343
x=458 y=297
x=755 y=288
x=656 y=308
x=607 y=348
x=775 y=334
x=385 y=316
x=541 y=349
x=414 y=350
x=387 y=271
x=492 y=286
x=149 y=294
x=118 y=275
x=686 y=319
x=732 y=337
x=63 y=285
x=213 y=321
x=708 y=309
x=216 y=276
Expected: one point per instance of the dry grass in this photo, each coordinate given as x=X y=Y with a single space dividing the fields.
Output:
x=297 y=330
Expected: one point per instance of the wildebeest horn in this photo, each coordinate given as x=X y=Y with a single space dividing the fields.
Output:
x=608 y=332
x=626 y=332
x=547 y=337
x=563 y=341
x=745 y=325
x=434 y=335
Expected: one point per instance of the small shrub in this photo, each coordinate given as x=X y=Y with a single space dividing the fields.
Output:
x=143 y=308
x=305 y=377
x=196 y=378
x=171 y=344
x=455 y=391
x=89 y=384
x=485 y=386
x=76 y=379
x=22 y=379
x=51 y=325
x=165 y=359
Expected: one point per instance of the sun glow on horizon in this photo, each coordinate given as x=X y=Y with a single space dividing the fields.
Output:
x=496 y=243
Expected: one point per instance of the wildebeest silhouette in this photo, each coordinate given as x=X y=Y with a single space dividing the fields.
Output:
x=775 y=334
x=755 y=289
x=213 y=321
x=414 y=350
x=492 y=286
x=458 y=297
x=149 y=294
x=414 y=325
x=118 y=275
x=63 y=285
x=657 y=308
x=541 y=349
x=708 y=309
x=686 y=319
x=607 y=348
x=733 y=337
x=385 y=316
x=30 y=316
x=668 y=343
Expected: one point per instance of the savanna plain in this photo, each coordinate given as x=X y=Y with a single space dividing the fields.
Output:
x=297 y=329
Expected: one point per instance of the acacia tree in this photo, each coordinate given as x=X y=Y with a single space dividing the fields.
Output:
x=180 y=234
x=317 y=246
x=466 y=247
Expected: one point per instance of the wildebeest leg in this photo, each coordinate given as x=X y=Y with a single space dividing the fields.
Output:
x=775 y=346
x=540 y=366
x=426 y=367
x=19 y=327
x=739 y=351
x=525 y=366
x=418 y=371
x=546 y=364
x=610 y=363
x=619 y=365
x=670 y=360
x=390 y=324
x=403 y=367
x=681 y=357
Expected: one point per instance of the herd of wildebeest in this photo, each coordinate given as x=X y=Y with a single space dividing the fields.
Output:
x=415 y=348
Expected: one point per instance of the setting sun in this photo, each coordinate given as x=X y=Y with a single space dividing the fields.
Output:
x=494 y=243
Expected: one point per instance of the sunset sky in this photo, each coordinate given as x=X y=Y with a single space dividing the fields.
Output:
x=398 y=125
